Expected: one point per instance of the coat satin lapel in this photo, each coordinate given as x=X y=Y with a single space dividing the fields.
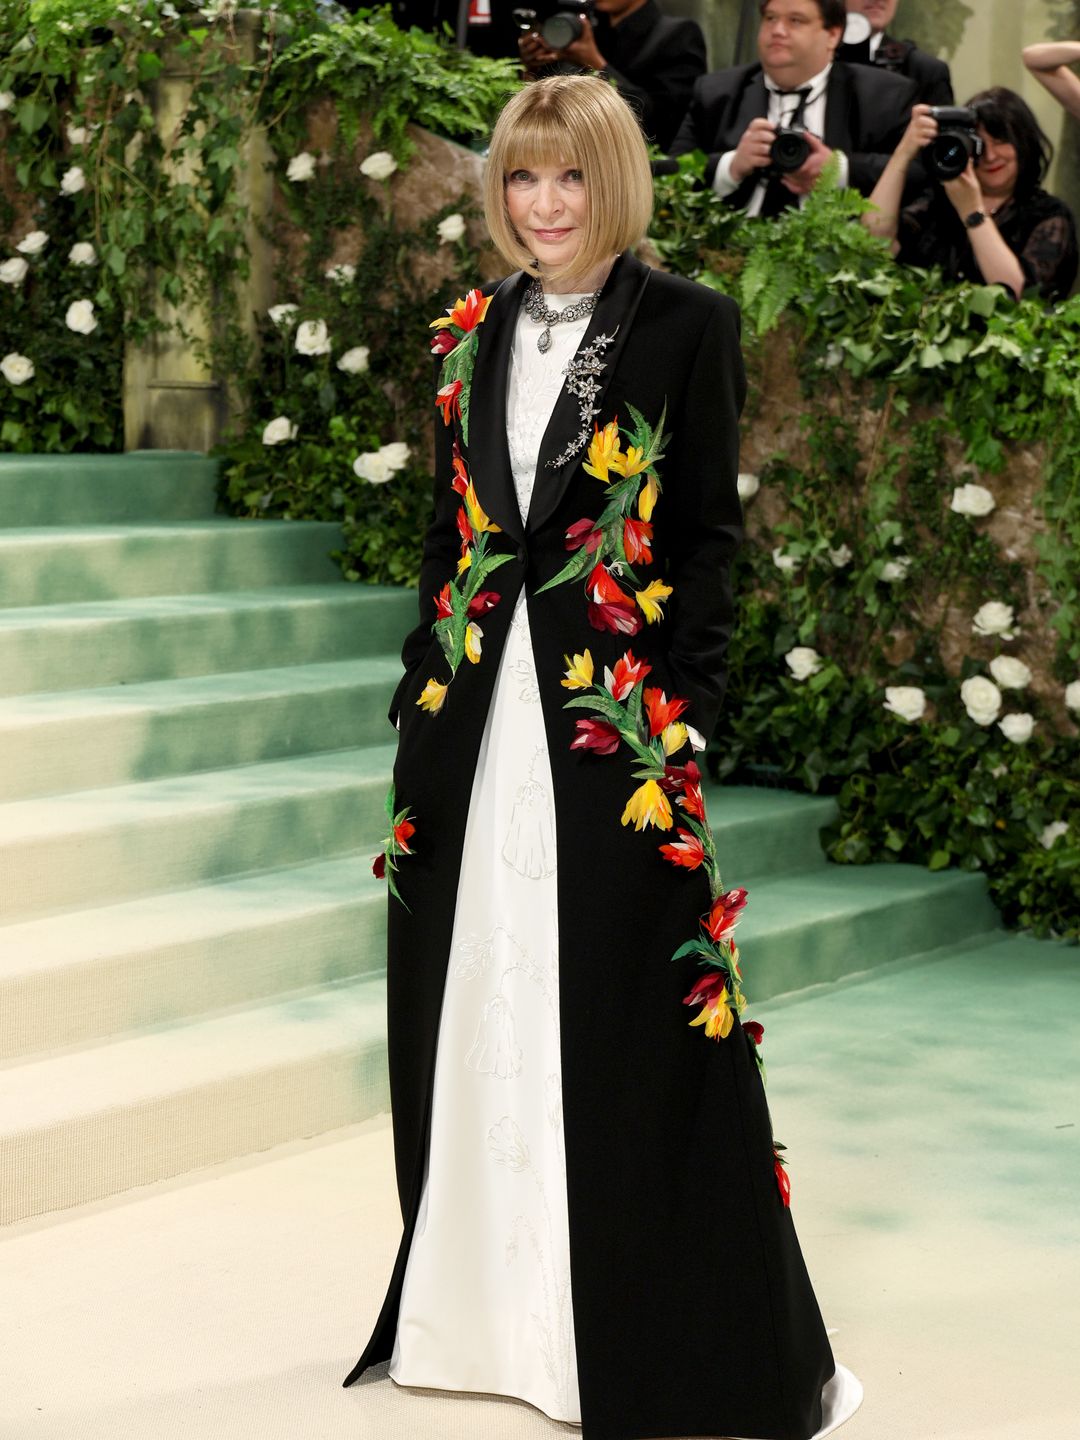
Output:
x=488 y=451
x=753 y=103
x=614 y=315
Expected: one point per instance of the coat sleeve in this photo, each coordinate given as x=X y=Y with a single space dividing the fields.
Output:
x=438 y=561
x=880 y=131
x=706 y=516
x=661 y=84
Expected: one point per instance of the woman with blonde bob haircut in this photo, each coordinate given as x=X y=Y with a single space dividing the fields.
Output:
x=596 y=1219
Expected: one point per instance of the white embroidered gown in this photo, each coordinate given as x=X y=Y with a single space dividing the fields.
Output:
x=486 y=1299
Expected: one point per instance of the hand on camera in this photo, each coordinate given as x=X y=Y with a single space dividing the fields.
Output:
x=754 y=150
x=922 y=128
x=965 y=192
x=535 y=55
x=803 y=180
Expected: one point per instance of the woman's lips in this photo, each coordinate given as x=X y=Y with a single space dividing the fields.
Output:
x=551 y=234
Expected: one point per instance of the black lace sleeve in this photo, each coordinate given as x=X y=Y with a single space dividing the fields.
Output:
x=1049 y=257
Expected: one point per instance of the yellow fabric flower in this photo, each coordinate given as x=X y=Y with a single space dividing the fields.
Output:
x=648 y=805
x=464 y=563
x=433 y=696
x=646 y=503
x=651 y=600
x=473 y=638
x=477 y=518
x=579 y=672
x=604 y=450
x=632 y=463
x=717 y=1016
x=673 y=737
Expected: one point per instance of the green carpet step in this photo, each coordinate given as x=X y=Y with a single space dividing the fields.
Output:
x=92 y=847
x=86 y=975
x=803 y=929
x=90 y=1123
x=114 y=735
x=120 y=642
x=103 y=489
x=57 y=565
x=761 y=831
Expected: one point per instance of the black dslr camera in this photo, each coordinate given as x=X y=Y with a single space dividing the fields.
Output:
x=559 y=23
x=956 y=142
x=790 y=150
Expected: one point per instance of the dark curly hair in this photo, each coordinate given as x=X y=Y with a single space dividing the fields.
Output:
x=833 y=12
x=1007 y=117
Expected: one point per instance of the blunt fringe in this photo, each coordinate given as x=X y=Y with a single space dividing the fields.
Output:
x=583 y=121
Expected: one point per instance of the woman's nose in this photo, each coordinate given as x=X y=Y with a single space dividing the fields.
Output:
x=548 y=199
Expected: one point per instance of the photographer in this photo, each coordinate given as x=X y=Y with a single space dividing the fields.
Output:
x=993 y=223
x=852 y=111
x=901 y=57
x=652 y=58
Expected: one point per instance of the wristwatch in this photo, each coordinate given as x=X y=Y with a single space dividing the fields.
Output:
x=975 y=219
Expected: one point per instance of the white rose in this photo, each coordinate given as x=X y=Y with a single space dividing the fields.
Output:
x=396 y=454
x=342 y=274
x=782 y=560
x=7 y=99
x=972 y=500
x=33 y=244
x=80 y=317
x=312 y=338
x=982 y=699
x=841 y=556
x=372 y=466
x=803 y=662
x=834 y=355
x=1072 y=695
x=894 y=570
x=1053 y=832
x=82 y=253
x=77 y=134
x=379 y=166
x=1010 y=674
x=748 y=486
x=72 y=181
x=13 y=271
x=301 y=167
x=1017 y=728
x=354 y=361
x=16 y=369
x=994 y=618
x=283 y=314
x=906 y=702
x=279 y=430
x=451 y=229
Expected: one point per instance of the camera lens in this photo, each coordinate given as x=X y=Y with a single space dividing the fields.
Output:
x=790 y=151
x=561 y=29
x=948 y=156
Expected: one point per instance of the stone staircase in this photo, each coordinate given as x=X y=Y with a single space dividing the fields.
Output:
x=193 y=758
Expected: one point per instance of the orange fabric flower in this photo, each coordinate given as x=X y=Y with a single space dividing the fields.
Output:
x=662 y=711
x=687 y=851
x=627 y=673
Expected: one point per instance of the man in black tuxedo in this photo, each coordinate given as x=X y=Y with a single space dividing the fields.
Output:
x=851 y=111
x=901 y=57
x=653 y=59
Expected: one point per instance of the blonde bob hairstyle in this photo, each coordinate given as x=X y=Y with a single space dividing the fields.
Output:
x=583 y=121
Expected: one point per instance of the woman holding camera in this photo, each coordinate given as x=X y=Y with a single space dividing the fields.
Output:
x=993 y=223
x=596 y=1218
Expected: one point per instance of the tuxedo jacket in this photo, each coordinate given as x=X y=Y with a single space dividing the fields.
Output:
x=654 y=60
x=867 y=111
x=931 y=75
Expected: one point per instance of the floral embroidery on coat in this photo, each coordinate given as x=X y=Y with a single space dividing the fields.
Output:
x=395 y=845
x=458 y=337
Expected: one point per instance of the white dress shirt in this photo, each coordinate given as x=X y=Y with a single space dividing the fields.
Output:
x=782 y=109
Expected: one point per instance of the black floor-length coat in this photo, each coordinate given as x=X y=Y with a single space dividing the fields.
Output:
x=693 y=1313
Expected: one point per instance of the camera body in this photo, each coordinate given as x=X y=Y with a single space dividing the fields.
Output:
x=558 y=22
x=956 y=143
x=790 y=150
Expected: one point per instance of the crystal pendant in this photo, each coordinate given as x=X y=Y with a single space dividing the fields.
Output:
x=544 y=343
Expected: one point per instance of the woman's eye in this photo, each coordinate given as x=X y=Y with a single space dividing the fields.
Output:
x=519 y=177
x=575 y=177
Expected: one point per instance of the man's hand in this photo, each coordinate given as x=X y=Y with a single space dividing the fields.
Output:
x=965 y=192
x=753 y=151
x=535 y=55
x=583 y=51
x=803 y=180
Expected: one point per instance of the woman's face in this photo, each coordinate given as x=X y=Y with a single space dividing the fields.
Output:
x=998 y=170
x=548 y=207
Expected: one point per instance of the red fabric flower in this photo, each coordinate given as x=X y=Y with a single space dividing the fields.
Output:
x=444 y=342
x=465 y=530
x=755 y=1030
x=597 y=735
x=677 y=776
x=482 y=602
x=460 y=481
x=637 y=536
x=378 y=869
x=661 y=711
x=583 y=533
x=783 y=1180
x=444 y=608
x=687 y=851
x=708 y=989
x=604 y=589
x=724 y=915
x=448 y=400
x=403 y=833
x=627 y=673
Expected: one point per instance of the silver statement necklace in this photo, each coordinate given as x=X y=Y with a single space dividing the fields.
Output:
x=538 y=311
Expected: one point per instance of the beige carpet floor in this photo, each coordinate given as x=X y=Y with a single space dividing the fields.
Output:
x=932 y=1120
